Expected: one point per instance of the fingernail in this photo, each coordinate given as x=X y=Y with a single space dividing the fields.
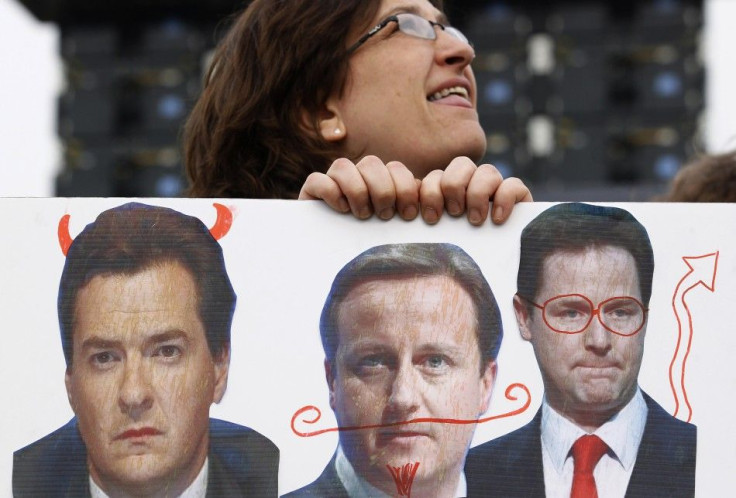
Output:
x=364 y=213
x=344 y=206
x=410 y=212
x=497 y=213
x=474 y=216
x=430 y=215
x=454 y=208
x=386 y=213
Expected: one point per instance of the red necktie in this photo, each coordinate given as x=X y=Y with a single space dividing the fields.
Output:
x=586 y=452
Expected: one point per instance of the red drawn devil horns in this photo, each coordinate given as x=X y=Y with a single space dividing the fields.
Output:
x=65 y=240
x=219 y=229
x=223 y=222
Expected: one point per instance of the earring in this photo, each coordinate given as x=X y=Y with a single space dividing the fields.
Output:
x=338 y=131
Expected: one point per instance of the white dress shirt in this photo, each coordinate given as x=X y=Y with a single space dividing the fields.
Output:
x=198 y=488
x=622 y=433
x=357 y=487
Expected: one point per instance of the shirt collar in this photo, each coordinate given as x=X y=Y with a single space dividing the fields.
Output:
x=622 y=433
x=357 y=487
x=197 y=489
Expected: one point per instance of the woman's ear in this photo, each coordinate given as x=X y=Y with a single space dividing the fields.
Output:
x=328 y=120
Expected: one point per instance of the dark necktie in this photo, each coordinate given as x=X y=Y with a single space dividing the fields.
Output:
x=586 y=452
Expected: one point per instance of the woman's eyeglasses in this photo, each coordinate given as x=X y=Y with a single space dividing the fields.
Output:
x=412 y=25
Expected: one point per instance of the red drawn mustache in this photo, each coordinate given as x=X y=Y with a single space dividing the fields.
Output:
x=310 y=408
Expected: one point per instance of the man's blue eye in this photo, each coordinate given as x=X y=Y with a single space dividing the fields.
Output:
x=436 y=361
x=620 y=313
x=372 y=361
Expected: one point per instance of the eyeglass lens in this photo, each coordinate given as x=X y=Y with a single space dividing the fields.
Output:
x=414 y=25
x=572 y=314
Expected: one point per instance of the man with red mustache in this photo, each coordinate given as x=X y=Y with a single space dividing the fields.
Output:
x=145 y=309
x=584 y=283
x=410 y=331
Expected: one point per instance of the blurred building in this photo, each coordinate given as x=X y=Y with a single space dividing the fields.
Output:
x=593 y=100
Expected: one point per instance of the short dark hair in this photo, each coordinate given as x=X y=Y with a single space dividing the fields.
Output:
x=134 y=237
x=574 y=227
x=392 y=261
x=279 y=62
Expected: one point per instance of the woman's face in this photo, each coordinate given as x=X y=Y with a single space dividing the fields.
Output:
x=394 y=104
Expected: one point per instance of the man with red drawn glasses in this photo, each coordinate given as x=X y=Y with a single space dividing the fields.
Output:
x=584 y=283
x=145 y=309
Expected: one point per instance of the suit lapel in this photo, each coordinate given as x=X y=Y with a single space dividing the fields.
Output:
x=329 y=484
x=510 y=466
x=529 y=463
x=665 y=462
x=219 y=482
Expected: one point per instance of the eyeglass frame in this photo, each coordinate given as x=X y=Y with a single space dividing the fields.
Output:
x=595 y=311
x=452 y=31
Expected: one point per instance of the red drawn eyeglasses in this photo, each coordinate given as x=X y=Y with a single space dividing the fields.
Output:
x=572 y=313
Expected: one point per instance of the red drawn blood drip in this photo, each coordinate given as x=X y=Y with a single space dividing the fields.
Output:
x=404 y=477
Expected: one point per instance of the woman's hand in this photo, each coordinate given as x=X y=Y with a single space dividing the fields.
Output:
x=463 y=187
x=371 y=186
x=366 y=187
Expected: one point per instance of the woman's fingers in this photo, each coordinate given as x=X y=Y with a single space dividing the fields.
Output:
x=379 y=186
x=481 y=189
x=406 y=188
x=371 y=186
x=509 y=192
x=319 y=186
x=431 y=199
x=366 y=187
x=464 y=187
x=454 y=184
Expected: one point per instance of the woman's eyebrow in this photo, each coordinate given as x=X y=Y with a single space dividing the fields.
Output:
x=400 y=9
x=412 y=9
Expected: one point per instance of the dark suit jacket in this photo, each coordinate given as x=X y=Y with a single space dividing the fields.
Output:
x=511 y=466
x=327 y=485
x=241 y=463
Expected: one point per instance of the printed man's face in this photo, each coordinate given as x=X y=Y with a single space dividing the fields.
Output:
x=143 y=379
x=408 y=349
x=590 y=375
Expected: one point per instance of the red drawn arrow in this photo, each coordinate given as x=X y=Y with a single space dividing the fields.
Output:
x=702 y=271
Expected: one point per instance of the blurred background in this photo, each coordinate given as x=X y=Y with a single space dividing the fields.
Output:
x=584 y=100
